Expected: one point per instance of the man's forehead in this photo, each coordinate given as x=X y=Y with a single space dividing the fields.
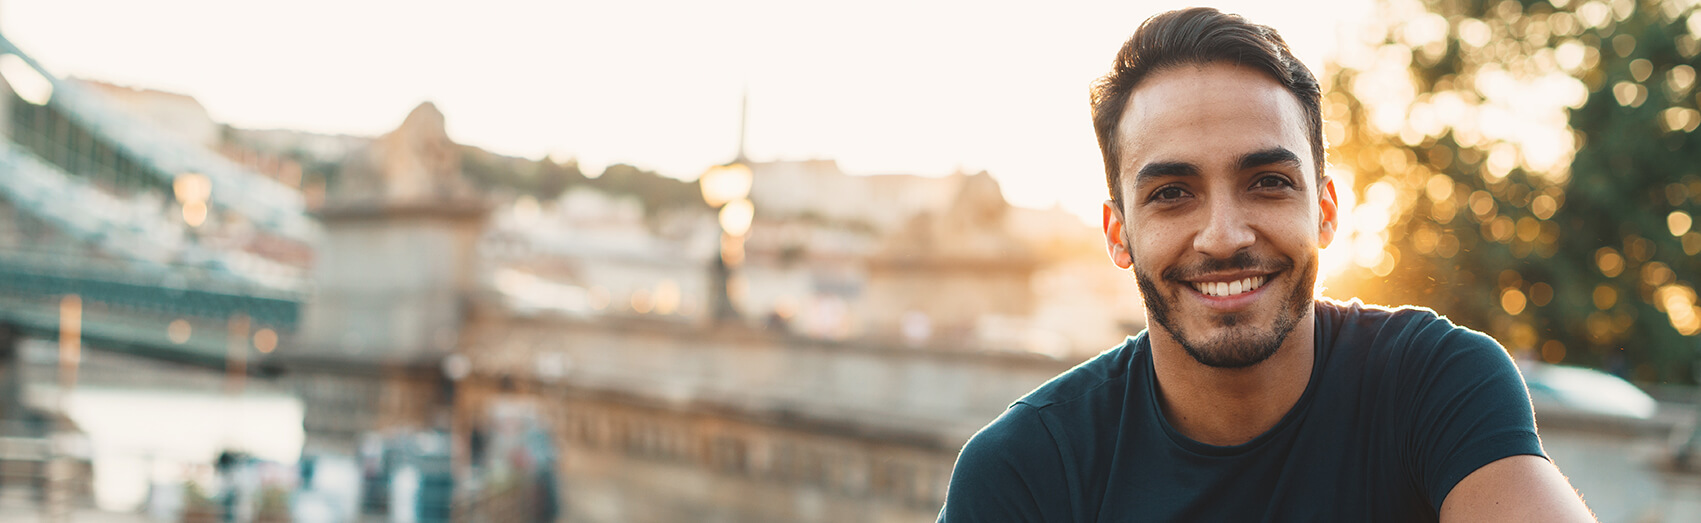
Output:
x=1215 y=110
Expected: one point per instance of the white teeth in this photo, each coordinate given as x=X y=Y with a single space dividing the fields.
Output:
x=1230 y=288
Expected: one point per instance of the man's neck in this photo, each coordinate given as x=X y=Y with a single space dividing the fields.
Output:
x=1232 y=406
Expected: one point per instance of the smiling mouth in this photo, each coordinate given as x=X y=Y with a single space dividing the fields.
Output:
x=1231 y=288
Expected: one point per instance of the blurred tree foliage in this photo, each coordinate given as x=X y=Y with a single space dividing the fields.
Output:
x=543 y=178
x=1531 y=169
x=546 y=179
x=657 y=192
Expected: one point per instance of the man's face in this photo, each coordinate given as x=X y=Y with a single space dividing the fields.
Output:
x=1222 y=215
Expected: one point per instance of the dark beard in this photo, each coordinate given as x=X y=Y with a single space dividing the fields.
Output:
x=1232 y=350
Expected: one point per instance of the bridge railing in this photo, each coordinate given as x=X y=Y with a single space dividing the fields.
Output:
x=180 y=292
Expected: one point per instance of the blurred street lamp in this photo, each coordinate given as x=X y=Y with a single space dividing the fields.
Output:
x=722 y=184
x=727 y=188
x=736 y=217
x=192 y=191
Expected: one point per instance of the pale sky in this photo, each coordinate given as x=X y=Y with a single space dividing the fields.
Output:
x=884 y=87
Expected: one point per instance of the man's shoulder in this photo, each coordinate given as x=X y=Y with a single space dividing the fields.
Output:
x=1405 y=332
x=1070 y=403
x=1457 y=398
x=1355 y=314
x=1019 y=467
x=1107 y=369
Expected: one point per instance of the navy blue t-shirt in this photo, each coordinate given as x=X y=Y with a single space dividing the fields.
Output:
x=1401 y=405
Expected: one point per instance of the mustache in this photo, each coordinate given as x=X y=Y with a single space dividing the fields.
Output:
x=1239 y=261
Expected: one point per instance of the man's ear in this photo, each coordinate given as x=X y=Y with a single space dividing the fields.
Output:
x=1114 y=242
x=1329 y=217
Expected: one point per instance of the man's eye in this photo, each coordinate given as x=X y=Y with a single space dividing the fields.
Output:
x=1272 y=182
x=1168 y=194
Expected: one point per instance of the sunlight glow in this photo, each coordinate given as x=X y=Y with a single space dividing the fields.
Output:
x=736 y=217
x=667 y=297
x=1679 y=223
x=724 y=183
x=1339 y=255
x=1513 y=301
x=195 y=213
x=1678 y=302
x=265 y=340
x=1370 y=244
x=178 y=331
x=25 y=80
x=896 y=104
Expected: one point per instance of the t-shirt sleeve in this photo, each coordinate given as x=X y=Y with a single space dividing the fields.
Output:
x=1010 y=471
x=1472 y=408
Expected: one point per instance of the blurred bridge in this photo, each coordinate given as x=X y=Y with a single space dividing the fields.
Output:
x=162 y=240
x=161 y=250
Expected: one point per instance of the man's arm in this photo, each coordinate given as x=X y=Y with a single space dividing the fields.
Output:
x=1517 y=488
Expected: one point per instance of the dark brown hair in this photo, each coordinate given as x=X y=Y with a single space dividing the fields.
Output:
x=1198 y=36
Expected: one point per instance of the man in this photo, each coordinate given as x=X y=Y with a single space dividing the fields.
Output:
x=1246 y=399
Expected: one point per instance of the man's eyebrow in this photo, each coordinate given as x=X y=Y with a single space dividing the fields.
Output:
x=1277 y=155
x=1273 y=156
x=1161 y=169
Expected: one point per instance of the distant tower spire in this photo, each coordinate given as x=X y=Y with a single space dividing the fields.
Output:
x=743 y=123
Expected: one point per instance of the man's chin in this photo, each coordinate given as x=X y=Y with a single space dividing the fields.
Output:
x=1234 y=347
x=1228 y=340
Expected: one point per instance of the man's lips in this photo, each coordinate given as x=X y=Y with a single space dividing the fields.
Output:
x=1228 y=284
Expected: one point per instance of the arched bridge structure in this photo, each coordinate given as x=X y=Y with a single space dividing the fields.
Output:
x=173 y=251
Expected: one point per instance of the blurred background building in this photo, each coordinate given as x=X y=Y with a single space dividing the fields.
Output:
x=511 y=333
x=203 y=322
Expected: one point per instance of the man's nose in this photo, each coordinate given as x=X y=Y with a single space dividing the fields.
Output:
x=1227 y=230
